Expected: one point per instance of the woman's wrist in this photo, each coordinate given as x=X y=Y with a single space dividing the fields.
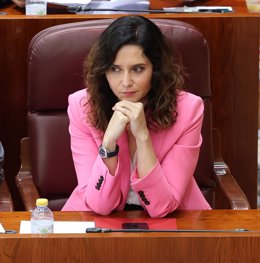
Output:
x=143 y=137
x=109 y=145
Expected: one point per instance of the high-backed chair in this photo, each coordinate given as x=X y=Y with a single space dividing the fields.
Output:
x=55 y=62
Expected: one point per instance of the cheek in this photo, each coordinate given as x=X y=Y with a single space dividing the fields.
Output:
x=146 y=82
x=112 y=83
x=110 y=80
x=108 y=77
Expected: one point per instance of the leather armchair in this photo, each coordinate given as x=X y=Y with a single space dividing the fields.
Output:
x=55 y=62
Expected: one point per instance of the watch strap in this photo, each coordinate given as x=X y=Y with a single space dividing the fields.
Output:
x=105 y=153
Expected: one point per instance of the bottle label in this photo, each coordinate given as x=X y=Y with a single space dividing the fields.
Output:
x=41 y=226
x=36 y=9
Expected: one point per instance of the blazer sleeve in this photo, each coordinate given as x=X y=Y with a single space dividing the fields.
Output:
x=163 y=189
x=97 y=189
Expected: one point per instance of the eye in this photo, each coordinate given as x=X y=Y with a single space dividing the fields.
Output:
x=114 y=68
x=139 y=68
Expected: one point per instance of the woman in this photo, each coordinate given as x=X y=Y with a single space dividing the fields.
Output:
x=135 y=136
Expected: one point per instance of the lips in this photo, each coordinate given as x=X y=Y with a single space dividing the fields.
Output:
x=129 y=93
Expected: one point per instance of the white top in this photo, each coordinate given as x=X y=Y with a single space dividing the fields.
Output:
x=132 y=197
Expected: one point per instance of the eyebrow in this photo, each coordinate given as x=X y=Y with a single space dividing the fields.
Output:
x=134 y=65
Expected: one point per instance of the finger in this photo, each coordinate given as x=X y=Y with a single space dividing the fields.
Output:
x=132 y=110
x=122 y=109
x=120 y=117
x=128 y=104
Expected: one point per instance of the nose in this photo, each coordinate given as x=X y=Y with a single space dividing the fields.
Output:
x=127 y=80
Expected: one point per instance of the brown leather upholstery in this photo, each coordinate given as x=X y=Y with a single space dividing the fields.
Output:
x=6 y=202
x=55 y=62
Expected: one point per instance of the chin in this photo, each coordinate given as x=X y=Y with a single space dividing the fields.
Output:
x=130 y=99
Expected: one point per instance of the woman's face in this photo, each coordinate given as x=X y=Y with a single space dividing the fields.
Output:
x=130 y=75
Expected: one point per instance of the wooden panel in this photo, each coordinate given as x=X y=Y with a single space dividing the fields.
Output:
x=130 y=249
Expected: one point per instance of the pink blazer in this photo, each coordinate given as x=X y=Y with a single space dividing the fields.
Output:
x=170 y=185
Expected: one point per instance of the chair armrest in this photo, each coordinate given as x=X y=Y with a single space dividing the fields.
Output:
x=24 y=180
x=6 y=203
x=225 y=180
x=27 y=190
x=230 y=187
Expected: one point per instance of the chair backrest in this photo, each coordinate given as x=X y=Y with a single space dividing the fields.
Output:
x=55 y=63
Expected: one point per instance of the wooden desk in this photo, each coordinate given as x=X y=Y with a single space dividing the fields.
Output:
x=139 y=247
x=234 y=47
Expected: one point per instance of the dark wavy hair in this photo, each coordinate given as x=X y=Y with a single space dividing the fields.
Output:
x=167 y=77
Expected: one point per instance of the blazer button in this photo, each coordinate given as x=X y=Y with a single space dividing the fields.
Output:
x=141 y=193
x=99 y=183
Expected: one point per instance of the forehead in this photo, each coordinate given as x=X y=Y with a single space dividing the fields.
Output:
x=128 y=54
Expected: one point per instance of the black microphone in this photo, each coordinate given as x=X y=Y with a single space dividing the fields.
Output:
x=108 y=230
x=77 y=8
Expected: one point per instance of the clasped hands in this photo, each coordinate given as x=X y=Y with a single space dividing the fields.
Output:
x=127 y=115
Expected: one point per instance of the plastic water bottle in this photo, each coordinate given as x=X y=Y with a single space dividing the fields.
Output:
x=42 y=218
x=36 y=7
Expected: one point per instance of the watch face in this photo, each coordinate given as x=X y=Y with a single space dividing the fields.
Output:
x=102 y=152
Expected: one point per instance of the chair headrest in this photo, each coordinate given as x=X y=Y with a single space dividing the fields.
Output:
x=56 y=55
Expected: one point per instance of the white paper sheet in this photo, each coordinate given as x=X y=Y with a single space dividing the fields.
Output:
x=2 y=230
x=61 y=227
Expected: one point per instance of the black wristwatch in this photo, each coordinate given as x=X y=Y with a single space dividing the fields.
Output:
x=104 y=153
